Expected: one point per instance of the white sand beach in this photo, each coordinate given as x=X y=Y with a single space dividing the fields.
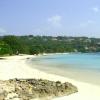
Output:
x=16 y=67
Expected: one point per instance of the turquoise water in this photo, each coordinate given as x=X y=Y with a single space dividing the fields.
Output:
x=84 y=66
x=82 y=61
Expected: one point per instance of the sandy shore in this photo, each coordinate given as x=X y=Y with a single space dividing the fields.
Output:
x=15 y=67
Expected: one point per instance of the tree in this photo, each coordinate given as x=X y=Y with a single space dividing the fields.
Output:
x=5 y=49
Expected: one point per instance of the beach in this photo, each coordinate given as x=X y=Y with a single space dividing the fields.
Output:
x=16 y=67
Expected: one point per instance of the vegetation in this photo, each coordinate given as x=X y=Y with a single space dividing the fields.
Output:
x=47 y=44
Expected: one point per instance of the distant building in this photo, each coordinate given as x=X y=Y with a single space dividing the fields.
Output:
x=87 y=40
x=54 y=39
x=75 y=50
x=98 y=43
x=86 y=48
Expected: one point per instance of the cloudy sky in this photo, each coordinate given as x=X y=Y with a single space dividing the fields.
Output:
x=50 y=17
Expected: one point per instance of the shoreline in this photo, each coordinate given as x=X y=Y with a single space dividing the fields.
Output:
x=86 y=76
x=16 y=67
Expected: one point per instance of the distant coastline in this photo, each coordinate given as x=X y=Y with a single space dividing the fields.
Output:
x=47 y=44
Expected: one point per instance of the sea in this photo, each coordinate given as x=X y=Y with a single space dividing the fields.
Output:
x=78 y=66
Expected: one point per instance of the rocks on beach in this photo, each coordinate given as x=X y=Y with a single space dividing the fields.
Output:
x=1 y=58
x=29 y=89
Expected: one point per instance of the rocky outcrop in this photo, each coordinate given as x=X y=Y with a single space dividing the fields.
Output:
x=29 y=89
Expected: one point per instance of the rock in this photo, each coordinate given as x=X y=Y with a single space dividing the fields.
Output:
x=28 y=89
x=3 y=94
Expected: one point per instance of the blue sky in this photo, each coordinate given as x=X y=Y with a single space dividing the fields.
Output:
x=50 y=17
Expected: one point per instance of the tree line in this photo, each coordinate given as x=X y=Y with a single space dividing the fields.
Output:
x=11 y=44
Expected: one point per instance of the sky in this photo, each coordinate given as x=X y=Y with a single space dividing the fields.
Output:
x=50 y=17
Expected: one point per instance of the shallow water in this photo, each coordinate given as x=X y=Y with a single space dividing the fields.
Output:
x=83 y=67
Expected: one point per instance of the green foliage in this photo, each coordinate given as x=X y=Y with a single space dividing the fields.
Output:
x=16 y=44
x=5 y=49
x=47 y=44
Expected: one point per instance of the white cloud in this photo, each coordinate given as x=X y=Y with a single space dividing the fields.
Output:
x=95 y=9
x=3 y=31
x=53 y=25
x=87 y=23
x=90 y=22
x=55 y=21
